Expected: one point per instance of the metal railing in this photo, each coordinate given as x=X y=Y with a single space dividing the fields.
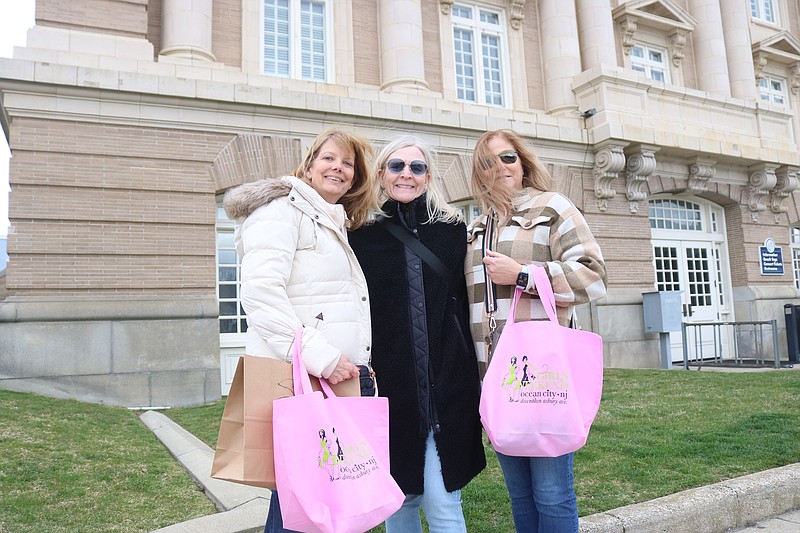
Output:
x=733 y=342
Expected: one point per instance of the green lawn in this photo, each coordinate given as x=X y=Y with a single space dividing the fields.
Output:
x=71 y=466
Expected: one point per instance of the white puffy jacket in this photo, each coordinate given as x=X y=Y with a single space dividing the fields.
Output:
x=298 y=268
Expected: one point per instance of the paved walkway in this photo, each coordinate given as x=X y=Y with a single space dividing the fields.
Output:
x=770 y=500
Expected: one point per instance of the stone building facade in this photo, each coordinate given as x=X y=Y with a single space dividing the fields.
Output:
x=672 y=124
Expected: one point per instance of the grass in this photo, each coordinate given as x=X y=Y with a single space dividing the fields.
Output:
x=71 y=466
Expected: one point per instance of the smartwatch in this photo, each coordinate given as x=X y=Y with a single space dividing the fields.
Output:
x=522 y=278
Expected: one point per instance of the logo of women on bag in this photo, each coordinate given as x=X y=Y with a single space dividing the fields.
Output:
x=524 y=383
x=344 y=461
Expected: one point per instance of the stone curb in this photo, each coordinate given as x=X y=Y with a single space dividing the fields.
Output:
x=244 y=508
x=716 y=508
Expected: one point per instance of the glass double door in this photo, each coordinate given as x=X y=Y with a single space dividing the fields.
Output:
x=693 y=268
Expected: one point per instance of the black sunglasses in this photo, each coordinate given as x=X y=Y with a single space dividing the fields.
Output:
x=508 y=157
x=417 y=166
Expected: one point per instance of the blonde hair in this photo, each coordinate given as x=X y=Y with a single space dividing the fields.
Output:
x=492 y=193
x=360 y=201
x=438 y=209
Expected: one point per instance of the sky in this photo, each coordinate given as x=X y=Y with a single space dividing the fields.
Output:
x=16 y=16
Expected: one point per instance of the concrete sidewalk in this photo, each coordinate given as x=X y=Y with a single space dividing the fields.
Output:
x=765 y=502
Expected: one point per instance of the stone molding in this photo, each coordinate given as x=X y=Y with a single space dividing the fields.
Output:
x=786 y=184
x=641 y=163
x=701 y=170
x=761 y=181
x=609 y=160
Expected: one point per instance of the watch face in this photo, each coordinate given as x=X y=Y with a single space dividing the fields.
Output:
x=522 y=280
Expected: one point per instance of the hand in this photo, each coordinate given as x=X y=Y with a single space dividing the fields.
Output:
x=501 y=269
x=344 y=370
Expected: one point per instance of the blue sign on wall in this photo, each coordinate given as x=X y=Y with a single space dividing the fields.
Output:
x=770 y=257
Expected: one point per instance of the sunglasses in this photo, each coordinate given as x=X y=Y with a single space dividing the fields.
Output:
x=508 y=157
x=417 y=166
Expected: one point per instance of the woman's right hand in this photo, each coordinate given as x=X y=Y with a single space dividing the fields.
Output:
x=344 y=370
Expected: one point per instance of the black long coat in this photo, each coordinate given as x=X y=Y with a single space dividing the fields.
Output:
x=441 y=391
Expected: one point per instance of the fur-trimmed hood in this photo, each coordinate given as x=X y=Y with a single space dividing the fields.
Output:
x=239 y=202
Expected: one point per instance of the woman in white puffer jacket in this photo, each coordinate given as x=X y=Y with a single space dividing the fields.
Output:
x=298 y=268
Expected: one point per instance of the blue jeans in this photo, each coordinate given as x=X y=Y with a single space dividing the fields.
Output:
x=274 y=518
x=442 y=509
x=542 y=493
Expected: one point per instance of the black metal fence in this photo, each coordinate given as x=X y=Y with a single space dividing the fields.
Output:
x=731 y=344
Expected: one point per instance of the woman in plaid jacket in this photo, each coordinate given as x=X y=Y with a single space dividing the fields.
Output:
x=528 y=224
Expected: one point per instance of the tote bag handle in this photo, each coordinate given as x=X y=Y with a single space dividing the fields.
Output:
x=545 y=289
x=302 y=383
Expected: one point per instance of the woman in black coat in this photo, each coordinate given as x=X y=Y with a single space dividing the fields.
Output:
x=422 y=351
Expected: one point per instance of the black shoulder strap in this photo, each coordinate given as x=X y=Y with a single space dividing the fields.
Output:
x=421 y=250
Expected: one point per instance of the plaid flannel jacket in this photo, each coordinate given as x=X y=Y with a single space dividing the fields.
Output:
x=547 y=229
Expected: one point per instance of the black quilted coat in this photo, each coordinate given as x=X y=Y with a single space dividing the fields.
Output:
x=428 y=370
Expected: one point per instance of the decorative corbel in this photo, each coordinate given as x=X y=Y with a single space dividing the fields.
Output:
x=609 y=160
x=677 y=40
x=446 y=6
x=786 y=184
x=515 y=8
x=700 y=171
x=794 y=77
x=759 y=62
x=761 y=181
x=627 y=28
x=641 y=163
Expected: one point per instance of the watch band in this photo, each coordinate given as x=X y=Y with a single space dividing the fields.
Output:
x=522 y=278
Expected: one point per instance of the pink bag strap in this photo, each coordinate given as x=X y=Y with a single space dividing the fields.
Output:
x=545 y=290
x=302 y=383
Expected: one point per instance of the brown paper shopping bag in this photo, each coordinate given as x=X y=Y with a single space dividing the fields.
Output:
x=244 y=451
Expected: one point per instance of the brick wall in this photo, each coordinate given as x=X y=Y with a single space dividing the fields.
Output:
x=534 y=70
x=102 y=209
x=226 y=36
x=366 y=46
x=118 y=17
x=431 y=11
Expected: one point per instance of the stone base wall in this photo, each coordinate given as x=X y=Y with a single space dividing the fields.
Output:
x=125 y=353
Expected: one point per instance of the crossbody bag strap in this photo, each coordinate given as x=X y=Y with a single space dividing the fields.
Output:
x=490 y=300
x=422 y=251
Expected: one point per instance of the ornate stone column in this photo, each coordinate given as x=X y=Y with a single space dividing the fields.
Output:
x=609 y=160
x=561 y=53
x=735 y=25
x=596 y=29
x=709 y=46
x=402 y=59
x=186 y=29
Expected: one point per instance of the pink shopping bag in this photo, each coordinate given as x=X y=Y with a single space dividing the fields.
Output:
x=542 y=389
x=332 y=458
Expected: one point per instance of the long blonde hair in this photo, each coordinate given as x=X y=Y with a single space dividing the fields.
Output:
x=492 y=193
x=360 y=201
x=438 y=209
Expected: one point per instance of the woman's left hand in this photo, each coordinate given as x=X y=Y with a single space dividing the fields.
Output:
x=502 y=270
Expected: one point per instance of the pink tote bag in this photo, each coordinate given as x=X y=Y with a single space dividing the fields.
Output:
x=542 y=389
x=332 y=458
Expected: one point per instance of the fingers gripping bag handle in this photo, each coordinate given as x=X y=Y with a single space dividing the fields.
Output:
x=545 y=290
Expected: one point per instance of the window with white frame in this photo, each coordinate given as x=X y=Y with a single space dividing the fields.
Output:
x=231 y=315
x=764 y=10
x=650 y=61
x=794 y=244
x=296 y=39
x=479 y=42
x=772 y=90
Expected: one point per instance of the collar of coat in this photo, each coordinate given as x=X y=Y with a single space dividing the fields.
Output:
x=528 y=208
x=240 y=202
